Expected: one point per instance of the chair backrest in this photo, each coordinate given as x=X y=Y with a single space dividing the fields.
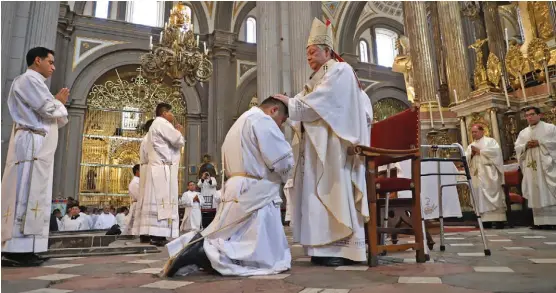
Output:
x=397 y=132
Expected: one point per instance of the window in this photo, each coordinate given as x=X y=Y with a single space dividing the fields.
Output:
x=363 y=51
x=189 y=15
x=149 y=13
x=385 y=46
x=251 y=30
x=130 y=118
x=101 y=9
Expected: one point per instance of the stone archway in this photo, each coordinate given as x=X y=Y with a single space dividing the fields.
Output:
x=242 y=15
x=349 y=26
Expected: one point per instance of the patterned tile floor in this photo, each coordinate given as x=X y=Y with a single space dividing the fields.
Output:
x=522 y=260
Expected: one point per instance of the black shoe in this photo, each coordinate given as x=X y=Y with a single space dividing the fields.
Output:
x=144 y=239
x=317 y=260
x=499 y=225
x=336 y=261
x=193 y=254
x=22 y=260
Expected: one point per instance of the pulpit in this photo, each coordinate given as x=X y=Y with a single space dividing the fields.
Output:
x=385 y=149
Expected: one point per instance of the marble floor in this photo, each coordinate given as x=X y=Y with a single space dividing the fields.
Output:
x=522 y=260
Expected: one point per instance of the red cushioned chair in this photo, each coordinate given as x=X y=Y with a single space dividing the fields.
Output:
x=387 y=149
x=513 y=179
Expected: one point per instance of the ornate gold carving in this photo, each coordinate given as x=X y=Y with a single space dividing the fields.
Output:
x=464 y=198
x=478 y=118
x=538 y=53
x=387 y=107
x=403 y=64
x=494 y=70
x=254 y=102
x=541 y=17
x=510 y=130
x=479 y=74
x=515 y=64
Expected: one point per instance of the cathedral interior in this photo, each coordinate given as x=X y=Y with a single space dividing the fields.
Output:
x=464 y=63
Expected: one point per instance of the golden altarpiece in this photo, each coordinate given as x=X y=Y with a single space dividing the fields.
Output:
x=118 y=105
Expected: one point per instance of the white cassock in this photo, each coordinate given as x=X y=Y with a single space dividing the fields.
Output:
x=77 y=224
x=192 y=216
x=159 y=214
x=89 y=219
x=208 y=189
x=247 y=237
x=133 y=190
x=141 y=204
x=216 y=199
x=538 y=166
x=105 y=221
x=487 y=177
x=27 y=177
x=121 y=221
x=329 y=194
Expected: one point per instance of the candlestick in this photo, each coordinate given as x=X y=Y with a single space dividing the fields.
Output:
x=430 y=111
x=150 y=42
x=522 y=87
x=197 y=40
x=456 y=96
x=507 y=42
x=160 y=39
x=205 y=46
x=440 y=110
x=505 y=90
x=548 y=87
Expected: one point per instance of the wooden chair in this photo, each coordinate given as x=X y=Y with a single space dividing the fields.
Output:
x=524 y=217
x=394 y=139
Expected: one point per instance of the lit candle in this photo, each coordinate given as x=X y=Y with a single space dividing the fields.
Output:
x=507 y=41
x=160 y=39
x=505 y=90
x=430 y=111
x=522 y=87
x=456 y=96
x=548 y=88
x=440 y=109
x=205 y=45
x=150 y=42
x=197 y=40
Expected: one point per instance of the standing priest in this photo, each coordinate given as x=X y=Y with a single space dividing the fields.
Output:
x=27 y=180
x=486 y=164
x=159 y=214
x=329 y=194
x=246 y=236
x=536 y=152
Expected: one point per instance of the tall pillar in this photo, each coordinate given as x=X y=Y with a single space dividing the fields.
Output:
x=438 y=45
x=43 y=23
x=494 y=123
x=552 y=12
x=457 y=70
x=495 y=34
x=268 y=49
x=463 y=129
x=415 y=22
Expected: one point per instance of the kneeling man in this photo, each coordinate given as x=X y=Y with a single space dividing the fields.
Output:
x=486 y=165
x=246 y=236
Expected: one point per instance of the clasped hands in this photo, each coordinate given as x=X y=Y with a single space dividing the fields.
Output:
x=475 y=150
x=63 y=95
x=532 y=144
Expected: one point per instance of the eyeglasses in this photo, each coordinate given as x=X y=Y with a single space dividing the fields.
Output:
x=530 y=114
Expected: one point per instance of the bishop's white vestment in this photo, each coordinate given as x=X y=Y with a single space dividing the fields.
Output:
x=208 y=189
x=192 y=216
x=487 y=178
x=133 y=190
x=27 y=178
x=159 y=214
x=246 y=236
x=329 y=194
x=538 y=166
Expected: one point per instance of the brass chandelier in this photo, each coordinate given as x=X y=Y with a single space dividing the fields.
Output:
x=177 y=55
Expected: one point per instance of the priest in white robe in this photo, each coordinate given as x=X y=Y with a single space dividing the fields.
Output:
x=486 y=164
x=536 y=153
x=105 y=220
x=159 y=214
x=207 y=184
x=246 y=237
x=143 y=161
x=27 y=178
x=133 y=191
x=75 y=221
x=192 y=216
x=329 y=195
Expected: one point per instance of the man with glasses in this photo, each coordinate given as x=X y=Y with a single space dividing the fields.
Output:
x=536 y=152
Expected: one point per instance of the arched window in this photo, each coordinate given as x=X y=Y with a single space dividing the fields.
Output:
x=363 y=51
x=251 y=30
x=101 y=9
x=149 y=13
x=187 y=12
x=385 y=46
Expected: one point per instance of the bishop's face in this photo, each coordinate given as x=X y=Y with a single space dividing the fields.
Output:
x=476 y=133
x=316 y=57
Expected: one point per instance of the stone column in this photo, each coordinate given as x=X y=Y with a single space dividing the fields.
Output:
x=552 y=12
x=438 y=45
x=495 y=34
x=456 y=54
x=43 y=23
x=494 y=124
x=415 y=22
x=463 y=129
x=268 y=49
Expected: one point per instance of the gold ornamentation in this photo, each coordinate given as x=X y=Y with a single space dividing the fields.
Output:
x=387 y=107
x=478 y=118
x=470 y=9
x=7 y=215
x=538 y=53
x=511 y=131
x=514 y=62
x=479 y=74
x=494 y=70
x=403 y=64
x=540 y=15
x=254 y=102
x=36 y=209
x=532 y=164
x=464 y=198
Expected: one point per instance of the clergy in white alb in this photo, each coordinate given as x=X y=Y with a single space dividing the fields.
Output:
x=207 y=184
x=27 y=178
x=75 y=221
x=329 y=195
x=121 y=218
x=105 y=220
x=159 y=214
x=133 y=191
x=486 y=164
x=246 y=236
x=143 y=160
x=536 y=153
x=192 y=201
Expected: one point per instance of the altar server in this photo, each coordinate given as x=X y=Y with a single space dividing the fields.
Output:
x=193 y=202
x=105 y=220
x=75 y=220
x=133 y=190
x=143 y=160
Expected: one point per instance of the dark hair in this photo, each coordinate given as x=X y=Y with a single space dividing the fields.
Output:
x=55 y=211
x=537 y=110
x=40 y=52
x=147 y=125
x=161 y=108
x=83 y=209
x=136 y=169
x=71 y=205
x=271 y=101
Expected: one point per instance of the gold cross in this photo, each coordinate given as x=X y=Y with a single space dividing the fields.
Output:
x=36 y=209
x=170 y=222
x=162 y=204
x=7 y=214
x=532 y=164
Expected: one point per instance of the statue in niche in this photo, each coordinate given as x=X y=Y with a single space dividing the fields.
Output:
x=402 y=64
x=254 y=102
x=207 y=166
x=91 y=180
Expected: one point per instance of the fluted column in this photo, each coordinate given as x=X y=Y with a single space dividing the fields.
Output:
x=495 y=128
x=438 y=45
x=415 y=22
x=268 y=49
x=495 y=34
x=457 y=70
x=463 y=129
x=43 y=23
x=552 y=12
x=301 y=15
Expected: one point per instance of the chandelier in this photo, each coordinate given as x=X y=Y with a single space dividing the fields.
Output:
x=177 y=54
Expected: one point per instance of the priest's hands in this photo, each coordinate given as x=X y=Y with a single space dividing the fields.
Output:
x=179 y=127
x=196 y=198
x=63 y=95
x=532 y=144
x=283 y=98
x=475 y=150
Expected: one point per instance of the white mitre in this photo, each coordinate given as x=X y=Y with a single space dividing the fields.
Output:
x=321 y=34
